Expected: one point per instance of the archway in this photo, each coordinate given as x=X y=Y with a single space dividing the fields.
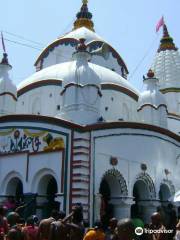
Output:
x=47 y=185
x=15 y=188
x=143 y=193
x=164 y=193
x=47 y=189
x=113 y=189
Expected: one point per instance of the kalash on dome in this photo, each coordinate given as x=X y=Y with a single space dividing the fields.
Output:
x=77 y=131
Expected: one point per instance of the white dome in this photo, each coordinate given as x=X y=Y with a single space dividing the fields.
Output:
x=85 y=33
x=66 y=72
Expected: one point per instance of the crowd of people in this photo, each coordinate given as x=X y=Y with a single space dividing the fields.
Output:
x=72 y=227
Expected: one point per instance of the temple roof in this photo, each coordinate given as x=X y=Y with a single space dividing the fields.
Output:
x=166 y=64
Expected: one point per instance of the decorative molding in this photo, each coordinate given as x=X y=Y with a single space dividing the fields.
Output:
x=71 y=41
x=149 y=182
x=111 y=86
x=115 y=54
x=42 y=83
x=115 y=173
x=93 y=127
x=80 y=86
x=153 y=106
x=167 y=90
x=10 y=94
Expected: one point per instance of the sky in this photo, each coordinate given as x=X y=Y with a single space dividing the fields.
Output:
x=127 y=25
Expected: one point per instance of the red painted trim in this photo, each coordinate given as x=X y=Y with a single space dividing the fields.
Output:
x=80 y=86
x=81 y=139
x=81 y=147
x=93 y=127
x=79 y=190
x=174 y=115
x=80 y=153
x=80 y=180
x=111 y=86
x=80 y=175
x=115 y=54
x=42 y=83
x=52 y=45
x=79 y=195
x=10 y=94
x=80 y=162
x=80 y=166
x=71 y=171
x=150 y=105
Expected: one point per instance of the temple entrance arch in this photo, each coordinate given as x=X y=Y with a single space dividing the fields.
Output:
x=113 y=189
x=47 y=186
x=144 y=194
x=47 y=189
x=14 y=187
x=166 y=191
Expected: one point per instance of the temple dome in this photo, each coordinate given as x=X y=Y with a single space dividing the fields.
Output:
x=66 y=72
x=166 y=65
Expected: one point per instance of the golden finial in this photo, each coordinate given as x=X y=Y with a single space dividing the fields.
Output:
x=85 y=1
x=84 y=17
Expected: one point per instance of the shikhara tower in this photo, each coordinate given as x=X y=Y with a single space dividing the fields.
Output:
x=79 y=131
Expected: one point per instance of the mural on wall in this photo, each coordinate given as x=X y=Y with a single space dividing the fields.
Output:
x=19 y=140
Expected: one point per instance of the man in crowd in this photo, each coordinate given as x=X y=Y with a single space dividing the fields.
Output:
x=45 y=224
x=125 y=229
x=95 y=233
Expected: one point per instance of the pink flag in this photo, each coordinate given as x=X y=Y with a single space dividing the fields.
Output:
x=159 y=24
x=3 y=44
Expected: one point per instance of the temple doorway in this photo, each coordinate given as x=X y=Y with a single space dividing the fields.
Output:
x=144 y=195
x=47 y=190
x=112 y=190
x=15 y=188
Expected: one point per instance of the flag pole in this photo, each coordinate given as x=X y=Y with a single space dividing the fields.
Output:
x=3 y=43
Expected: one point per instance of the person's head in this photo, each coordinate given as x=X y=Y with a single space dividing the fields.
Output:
x=125 y=229
x=55 y=214
x=13 y=218
x=156 y=219
x=77 y=213
x=62 y=214
x=13 y=234
x=113 y=223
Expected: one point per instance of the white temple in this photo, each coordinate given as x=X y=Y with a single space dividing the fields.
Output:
x=77 y=129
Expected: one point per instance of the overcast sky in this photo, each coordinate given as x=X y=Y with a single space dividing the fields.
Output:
x=128 y=25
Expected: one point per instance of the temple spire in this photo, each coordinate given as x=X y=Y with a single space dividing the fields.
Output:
x=84 y=17
x=166 y=41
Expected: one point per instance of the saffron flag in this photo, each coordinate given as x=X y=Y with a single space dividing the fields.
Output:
x=159 y=24
x=3 y=44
